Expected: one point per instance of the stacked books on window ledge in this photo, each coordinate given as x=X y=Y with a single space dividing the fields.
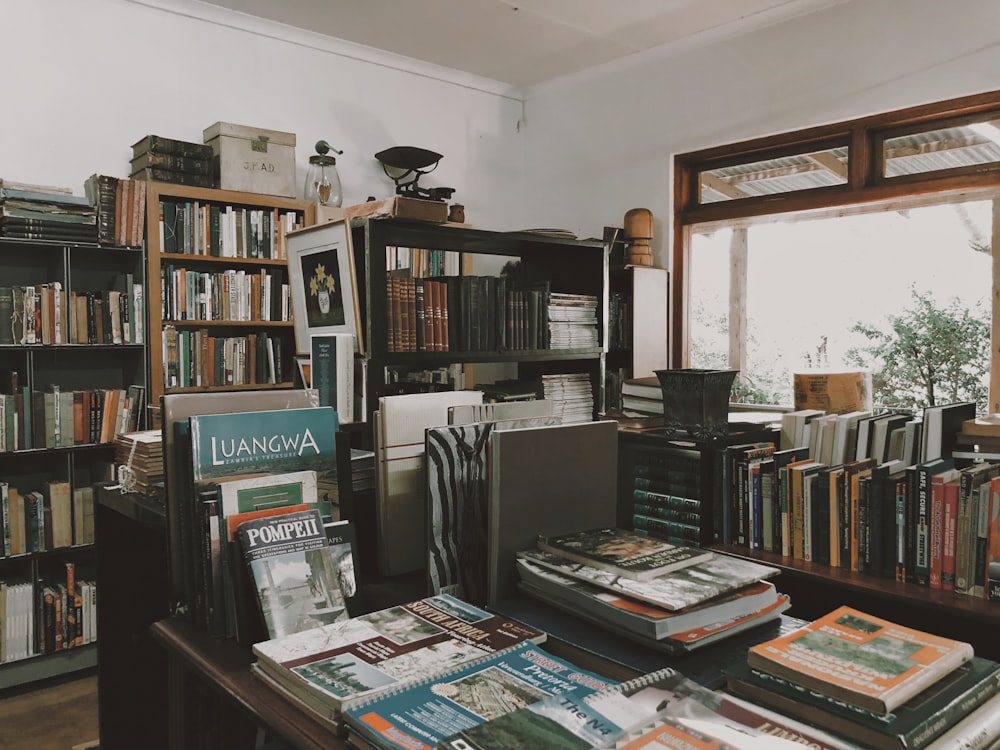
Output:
x=876 y=683
x=669 y=597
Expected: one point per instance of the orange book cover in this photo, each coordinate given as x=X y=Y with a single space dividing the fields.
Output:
x=859 y=659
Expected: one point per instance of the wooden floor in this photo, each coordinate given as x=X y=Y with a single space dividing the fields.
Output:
x=58 y=716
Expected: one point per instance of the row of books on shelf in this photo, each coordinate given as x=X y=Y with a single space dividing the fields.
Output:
x=619 y=321
x=485 y=313
x=53 y=517
x=422 y=262
x=48 y=314
x=233 y=294
x=196 y=358
x=225 y=231
x=61 y=417
x=48 y=615
x=120 y=207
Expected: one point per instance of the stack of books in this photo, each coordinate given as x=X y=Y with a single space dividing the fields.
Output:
x=169 y=160
x=571 y=395
x=572 y=321
x=875 y=682
x=37 y=212
x=140 y=454
x=668 y=597
x=643 y=395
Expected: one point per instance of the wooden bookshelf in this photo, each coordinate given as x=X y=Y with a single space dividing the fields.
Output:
x=279 y=331
x=573 y=266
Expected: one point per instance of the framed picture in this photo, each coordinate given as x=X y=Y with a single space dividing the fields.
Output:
x=304 y=363
x=323 y=284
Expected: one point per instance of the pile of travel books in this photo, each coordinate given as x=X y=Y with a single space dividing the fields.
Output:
x=876 y=683
x=670 y=597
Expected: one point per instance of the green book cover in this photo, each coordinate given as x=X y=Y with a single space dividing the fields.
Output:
x=263 y=441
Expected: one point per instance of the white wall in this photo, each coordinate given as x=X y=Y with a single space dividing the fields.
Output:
x=601 y=144
x=84 y=79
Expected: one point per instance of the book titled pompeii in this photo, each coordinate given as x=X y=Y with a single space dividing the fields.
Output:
x=264 y=442
x=293 y=570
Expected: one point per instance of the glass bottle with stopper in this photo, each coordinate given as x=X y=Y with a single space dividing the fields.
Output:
x=322 y=181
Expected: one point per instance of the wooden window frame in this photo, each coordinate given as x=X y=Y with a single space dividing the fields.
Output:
x=866 y=190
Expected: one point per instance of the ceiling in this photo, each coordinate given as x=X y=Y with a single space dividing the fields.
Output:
x=525 y=42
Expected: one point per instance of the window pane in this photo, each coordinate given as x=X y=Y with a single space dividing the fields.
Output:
x=786 y=174
x=949 y=148
x=811 y=284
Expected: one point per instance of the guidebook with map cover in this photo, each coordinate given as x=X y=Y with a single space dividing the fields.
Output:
x=859 y=659
x=423 y=713
x=329 y=667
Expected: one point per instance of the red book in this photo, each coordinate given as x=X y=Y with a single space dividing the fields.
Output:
x=948 y=529
x=936 y=522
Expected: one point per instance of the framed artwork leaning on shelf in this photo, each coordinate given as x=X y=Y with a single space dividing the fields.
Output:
x=323 y=283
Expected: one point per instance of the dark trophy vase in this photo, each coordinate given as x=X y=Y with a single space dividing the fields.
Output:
x=696 y=401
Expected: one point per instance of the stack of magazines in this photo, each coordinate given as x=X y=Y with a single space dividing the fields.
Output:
x=667 y=596
x=875 y=682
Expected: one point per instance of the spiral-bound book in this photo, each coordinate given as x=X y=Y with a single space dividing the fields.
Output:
x=423 y=713
x=330 y=667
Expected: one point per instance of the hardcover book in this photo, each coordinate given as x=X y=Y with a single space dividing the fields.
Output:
x=456 y=498
x=861 y=660
x=548 y=480
x=331 y=667
x=424 y=713
x=913 y=725
x=622 y=552
x=293 y=571
x=687 y=587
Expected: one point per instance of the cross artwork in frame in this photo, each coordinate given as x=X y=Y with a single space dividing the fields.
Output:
x=323 y=284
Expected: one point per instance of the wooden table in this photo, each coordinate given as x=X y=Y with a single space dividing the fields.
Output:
x=214 y=697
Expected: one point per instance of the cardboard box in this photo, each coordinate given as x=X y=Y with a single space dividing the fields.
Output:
x=400 y=207
x=253 y=160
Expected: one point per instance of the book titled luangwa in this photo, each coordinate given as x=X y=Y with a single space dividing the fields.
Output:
x=624 y=553
x=861 y=660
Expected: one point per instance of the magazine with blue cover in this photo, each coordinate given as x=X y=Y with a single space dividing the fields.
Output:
x=424 y=713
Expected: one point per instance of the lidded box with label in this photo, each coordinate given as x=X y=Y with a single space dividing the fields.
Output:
x=253 y=160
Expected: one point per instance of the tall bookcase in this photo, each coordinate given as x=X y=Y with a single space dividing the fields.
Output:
x=216 y=265
x=38 y=464
x=569 y=266
x=638 y=319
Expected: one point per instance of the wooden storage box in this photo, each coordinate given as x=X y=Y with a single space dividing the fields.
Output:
x=400 y=207
x=252 y=160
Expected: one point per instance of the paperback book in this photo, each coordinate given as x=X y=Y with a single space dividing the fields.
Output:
x=914 y=725
x=293 y=570
x=861 y=660
x=622 y=552
x=330 y=667
x=640 y=617
x=423 y=713
x=686 y=587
